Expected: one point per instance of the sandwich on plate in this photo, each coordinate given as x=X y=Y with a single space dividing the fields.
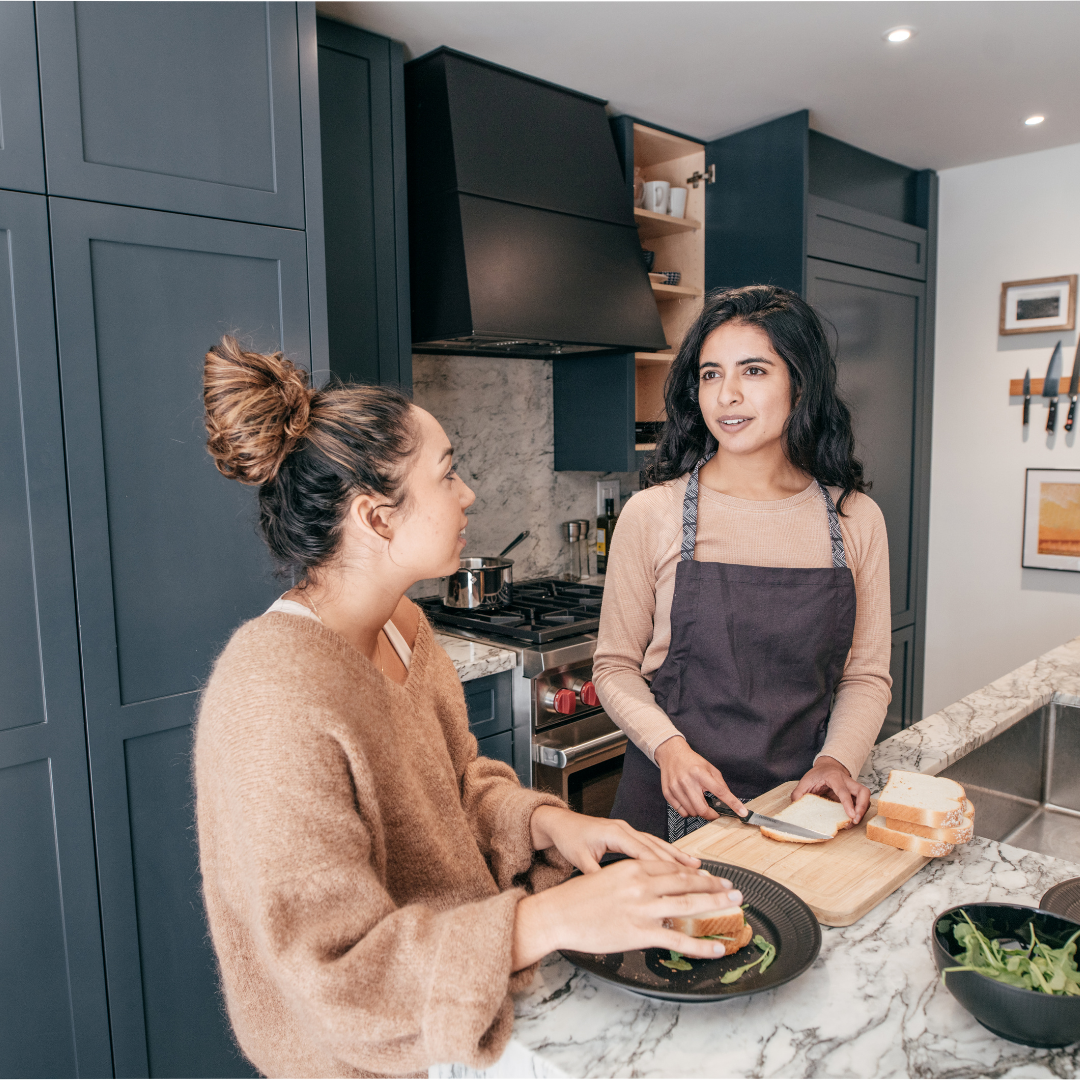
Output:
x=726 y=924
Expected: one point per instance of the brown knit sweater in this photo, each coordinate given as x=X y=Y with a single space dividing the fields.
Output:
x=361 y=865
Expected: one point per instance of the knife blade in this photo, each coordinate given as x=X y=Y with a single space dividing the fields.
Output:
x=1074 y=389
x=1051 y=388
x=1027 y=395
x=753 y=818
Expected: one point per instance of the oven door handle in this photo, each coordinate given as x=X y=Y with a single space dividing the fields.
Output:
x=561 y=757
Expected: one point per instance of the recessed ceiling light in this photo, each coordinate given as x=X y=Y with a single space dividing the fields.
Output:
x=1031 y=121
x=899 y=33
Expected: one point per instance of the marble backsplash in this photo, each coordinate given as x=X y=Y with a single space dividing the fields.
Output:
x=498 y=414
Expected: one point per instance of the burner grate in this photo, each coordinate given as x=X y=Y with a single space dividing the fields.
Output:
x=542 y=610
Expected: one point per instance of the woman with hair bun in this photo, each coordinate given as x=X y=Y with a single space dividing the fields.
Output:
x=375 y=890
x=745 y=633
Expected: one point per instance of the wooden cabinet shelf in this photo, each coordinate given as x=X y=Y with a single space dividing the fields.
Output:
x=675 y=292
x=654 y=357
x=651 y=225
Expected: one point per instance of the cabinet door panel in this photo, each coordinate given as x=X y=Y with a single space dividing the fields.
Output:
x=22 y=165
x=168 y=562
x=878 y=320
x=133 y=107
x=53 y=1016
x=362 y=129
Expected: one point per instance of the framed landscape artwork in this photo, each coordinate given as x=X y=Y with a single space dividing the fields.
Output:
x=1052 y=519
x=1038 y=305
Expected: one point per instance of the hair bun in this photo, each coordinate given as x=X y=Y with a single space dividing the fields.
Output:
x=258 y=407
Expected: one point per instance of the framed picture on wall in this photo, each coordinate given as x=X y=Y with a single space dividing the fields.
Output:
x=1052 y=519
x=1038 y=304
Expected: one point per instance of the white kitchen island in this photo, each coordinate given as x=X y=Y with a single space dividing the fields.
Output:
x=872 y=1005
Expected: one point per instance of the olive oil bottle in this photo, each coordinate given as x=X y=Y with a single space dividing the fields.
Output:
x=605 y=526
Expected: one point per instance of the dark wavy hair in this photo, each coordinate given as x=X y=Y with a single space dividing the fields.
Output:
x=817 y=436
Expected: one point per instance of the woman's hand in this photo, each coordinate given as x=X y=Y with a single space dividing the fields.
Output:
x=831 y=779
x=619 y=908
x=584 y=841
x=684 y=775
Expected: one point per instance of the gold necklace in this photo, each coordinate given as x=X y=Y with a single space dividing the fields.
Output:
x=309 y=602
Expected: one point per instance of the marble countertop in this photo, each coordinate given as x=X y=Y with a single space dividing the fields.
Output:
x=872 y=1005
x=474 y=659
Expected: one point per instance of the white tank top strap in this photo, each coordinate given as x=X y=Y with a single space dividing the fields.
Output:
x=292 y=607
x=393 y=634
x=401 y=646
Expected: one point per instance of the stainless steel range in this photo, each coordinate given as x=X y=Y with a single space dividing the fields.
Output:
x=564 y=741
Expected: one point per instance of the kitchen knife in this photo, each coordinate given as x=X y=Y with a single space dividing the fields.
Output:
x=1074 y=389
x=752 y=818
x=1027 y=395
x=1051 y=388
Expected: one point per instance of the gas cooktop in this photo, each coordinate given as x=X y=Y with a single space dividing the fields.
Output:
x=543 y=610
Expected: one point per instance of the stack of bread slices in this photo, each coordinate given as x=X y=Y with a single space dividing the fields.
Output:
x=925 y=814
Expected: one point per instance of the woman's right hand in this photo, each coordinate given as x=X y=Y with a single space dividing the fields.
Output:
x=685 y=774
x=619 y=908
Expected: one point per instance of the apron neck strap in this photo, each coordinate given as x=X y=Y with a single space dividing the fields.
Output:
x=690 y=511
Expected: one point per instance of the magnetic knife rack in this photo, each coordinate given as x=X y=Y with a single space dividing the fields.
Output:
x=1016 y=388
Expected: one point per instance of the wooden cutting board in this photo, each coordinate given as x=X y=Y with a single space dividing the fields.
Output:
x=841 y=879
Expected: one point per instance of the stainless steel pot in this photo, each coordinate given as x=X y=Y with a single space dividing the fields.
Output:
x=479 y=583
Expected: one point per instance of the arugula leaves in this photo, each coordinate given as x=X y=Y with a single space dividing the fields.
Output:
x=678 y=962
x=1038 y=967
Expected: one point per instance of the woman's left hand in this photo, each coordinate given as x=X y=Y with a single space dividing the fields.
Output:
x=584 y=840
x=829 y=778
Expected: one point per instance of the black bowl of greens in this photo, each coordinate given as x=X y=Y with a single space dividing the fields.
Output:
x=1014 y=969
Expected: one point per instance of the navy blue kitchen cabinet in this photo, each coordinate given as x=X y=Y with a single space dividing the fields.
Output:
x=22 y=164
x=191 y=107
x=168 y=562
x=53 y=1014
x=365 y=205
x=490 y=715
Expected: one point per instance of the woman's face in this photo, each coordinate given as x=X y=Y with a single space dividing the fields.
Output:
x=744 y=389
x=428 y=529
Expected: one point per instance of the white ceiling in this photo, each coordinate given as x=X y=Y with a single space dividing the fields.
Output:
x=956 y=93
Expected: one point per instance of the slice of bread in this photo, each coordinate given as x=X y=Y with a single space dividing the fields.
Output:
x=959 y=835
x=726 y=922
x=811 y=812
x=933 y=801
x=877 y=829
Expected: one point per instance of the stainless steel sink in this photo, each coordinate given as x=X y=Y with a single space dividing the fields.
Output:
x=1025 y=783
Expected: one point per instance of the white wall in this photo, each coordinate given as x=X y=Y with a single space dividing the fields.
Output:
x=1000 y=221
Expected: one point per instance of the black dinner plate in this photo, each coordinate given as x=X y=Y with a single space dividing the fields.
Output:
x=774 y=912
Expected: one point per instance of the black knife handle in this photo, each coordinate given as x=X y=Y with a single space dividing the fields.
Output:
x=1051 y=416
x=1072 y=415
x=723 y=809
x=1027 y=409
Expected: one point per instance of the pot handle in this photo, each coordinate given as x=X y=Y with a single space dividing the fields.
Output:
x=514 y=543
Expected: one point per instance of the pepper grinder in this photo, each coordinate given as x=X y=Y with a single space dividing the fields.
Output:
x=586 y=525
x=572 y=533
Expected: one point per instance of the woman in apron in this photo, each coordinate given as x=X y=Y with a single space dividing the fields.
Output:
x=745 y=632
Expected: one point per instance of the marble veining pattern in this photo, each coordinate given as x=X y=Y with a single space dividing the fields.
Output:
x=936 y=742
x=474 y=659
x=871 y=1006
x=499 y=416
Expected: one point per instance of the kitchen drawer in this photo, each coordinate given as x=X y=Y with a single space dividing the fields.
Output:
x=488 y=702
x=499 y=747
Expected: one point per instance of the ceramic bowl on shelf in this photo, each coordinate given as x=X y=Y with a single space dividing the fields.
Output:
x=1029 y=1017
x=666 y=277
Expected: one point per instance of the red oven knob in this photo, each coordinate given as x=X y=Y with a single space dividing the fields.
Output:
x=564 y=701
x=588 y=694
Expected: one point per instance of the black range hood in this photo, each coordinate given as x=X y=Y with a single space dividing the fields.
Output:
x=521 y=236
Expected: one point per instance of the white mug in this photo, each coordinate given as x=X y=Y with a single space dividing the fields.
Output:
x=656 y=196
x=677 y=202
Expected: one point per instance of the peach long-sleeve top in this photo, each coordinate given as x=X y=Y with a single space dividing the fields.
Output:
x=635 y=621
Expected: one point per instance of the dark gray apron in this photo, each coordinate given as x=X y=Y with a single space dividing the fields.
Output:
x=756 y=652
